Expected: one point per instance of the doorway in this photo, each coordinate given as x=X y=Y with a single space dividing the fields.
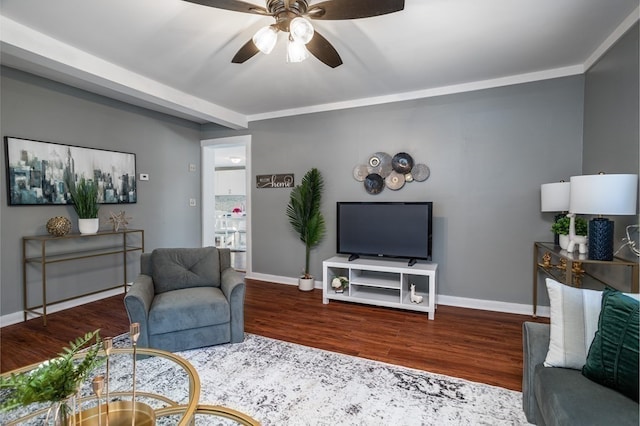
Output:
x=226 y=197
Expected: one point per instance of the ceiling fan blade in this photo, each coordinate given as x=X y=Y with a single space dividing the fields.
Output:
x=245 y=53
x=353 y=9
x=233 y=5
x=324 y=51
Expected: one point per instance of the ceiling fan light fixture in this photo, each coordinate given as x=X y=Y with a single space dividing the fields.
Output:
x=296 y=51
x=301 y=30
x=265 y=39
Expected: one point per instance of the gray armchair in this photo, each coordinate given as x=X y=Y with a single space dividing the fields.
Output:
x=187 y=298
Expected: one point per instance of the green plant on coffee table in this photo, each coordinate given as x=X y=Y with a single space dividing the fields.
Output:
x=56 y=379
x=561 y=226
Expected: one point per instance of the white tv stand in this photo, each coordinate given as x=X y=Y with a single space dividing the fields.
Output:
x=380 y=282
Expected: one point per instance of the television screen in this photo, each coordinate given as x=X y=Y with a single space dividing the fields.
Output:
x=393 y=229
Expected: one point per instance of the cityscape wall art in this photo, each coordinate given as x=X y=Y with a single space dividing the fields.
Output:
x=38 y=172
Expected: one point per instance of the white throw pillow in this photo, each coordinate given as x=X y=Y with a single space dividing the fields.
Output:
x=574 y=321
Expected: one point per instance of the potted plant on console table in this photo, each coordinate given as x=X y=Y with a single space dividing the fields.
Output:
x=84 y=196
x=306 y=219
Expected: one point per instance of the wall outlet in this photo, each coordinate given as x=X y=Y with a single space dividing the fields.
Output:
x=192 y=202
x=192 y=167
x=144 y=176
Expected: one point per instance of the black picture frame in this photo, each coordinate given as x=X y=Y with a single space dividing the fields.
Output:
x=37 y=172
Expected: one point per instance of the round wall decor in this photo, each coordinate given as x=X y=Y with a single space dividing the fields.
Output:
x=373 y=183
x=381 y=169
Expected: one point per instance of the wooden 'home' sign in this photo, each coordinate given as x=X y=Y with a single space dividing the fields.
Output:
x=275 y=181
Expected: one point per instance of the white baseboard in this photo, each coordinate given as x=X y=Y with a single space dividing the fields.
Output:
x=17 y=317
x=461 y=302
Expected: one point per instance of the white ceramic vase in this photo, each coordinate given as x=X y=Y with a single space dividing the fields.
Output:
x=88 y=226
x=564 y=241
x=306 y=284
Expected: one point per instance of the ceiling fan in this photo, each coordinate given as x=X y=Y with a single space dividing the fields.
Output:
x=292 y=16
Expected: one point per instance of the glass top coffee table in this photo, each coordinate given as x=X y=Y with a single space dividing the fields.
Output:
x=166 y=392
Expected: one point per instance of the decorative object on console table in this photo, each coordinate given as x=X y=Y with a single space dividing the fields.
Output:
x=602 y=194
x=554 y=197
x=120 y=220
x=306 y=218
x=58 y=226
x=562 y=228
x=85 y=202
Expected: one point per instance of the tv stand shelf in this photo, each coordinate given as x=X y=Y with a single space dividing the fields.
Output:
x=381 y=283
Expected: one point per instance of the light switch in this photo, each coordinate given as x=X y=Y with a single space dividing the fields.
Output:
x=144 y=176
x=192 y=167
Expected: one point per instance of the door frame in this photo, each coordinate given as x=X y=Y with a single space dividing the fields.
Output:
x=207 y=148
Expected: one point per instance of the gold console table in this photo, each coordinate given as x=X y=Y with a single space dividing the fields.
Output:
x=570 y=268
x=126 y=244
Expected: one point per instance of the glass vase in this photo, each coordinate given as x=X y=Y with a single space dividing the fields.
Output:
x=61 y=413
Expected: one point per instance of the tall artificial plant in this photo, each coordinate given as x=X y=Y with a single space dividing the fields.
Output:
x=304 y=213
x=84 y=196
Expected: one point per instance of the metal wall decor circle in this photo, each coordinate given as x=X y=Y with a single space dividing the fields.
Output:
x=402 y=162
x=381 y=169
x=373 y=183
x=395 y=181
x=360 y=172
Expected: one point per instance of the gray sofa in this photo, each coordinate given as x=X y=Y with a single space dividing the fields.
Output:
x=562 y=396
x=186 y=298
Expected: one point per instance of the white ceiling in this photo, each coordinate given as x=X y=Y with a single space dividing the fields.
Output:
x=174 y=56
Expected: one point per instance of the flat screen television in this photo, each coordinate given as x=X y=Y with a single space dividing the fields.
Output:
x=385 y=229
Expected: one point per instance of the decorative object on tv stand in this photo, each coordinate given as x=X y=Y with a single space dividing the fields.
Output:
x=84 y=196
x=603 y=194
x=554 y=197
x=306 y=218
x=58 y=226
x=382 y=170
x=414 y=297
x=339 y=284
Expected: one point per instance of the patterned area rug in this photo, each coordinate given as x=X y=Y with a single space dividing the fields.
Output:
x=279 y=383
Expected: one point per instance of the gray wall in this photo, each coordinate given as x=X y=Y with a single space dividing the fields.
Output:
x=611 y=141
x=35 y=108
x=489 y=151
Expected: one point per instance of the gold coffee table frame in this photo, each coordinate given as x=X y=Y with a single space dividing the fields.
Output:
x=187 y=411
x=173 y=408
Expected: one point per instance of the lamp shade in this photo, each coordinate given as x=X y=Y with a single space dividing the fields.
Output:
x=554 y=197
x=614 y=194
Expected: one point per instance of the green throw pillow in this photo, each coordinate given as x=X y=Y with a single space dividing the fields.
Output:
x=613 y=356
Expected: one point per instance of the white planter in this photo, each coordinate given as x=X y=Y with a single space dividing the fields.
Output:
x=88 y=226
x=564 y=241
x=306 y=284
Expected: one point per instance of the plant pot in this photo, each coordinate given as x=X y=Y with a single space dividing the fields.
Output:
x=306 y=284
x=88 y=226
x=564 y=241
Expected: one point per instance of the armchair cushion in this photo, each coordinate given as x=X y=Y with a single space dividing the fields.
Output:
x=188 y=308
x=175 y=269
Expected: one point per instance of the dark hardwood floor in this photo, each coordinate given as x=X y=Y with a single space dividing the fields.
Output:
x=472 y=344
